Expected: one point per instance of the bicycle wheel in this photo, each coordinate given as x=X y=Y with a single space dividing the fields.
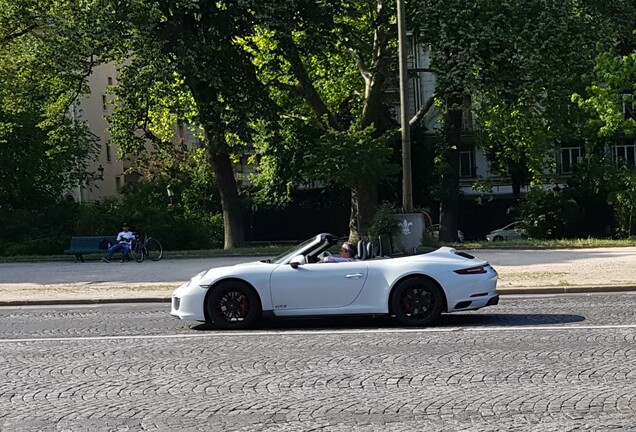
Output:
x=154 y=249
x=137 y=251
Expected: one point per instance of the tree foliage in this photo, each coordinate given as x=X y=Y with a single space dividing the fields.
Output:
x=510 y=57
x=326 y=65
x=610 y=97
x=43 y=149
x=182 y=61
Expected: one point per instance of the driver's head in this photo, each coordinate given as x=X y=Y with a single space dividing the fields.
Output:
x=347 y=250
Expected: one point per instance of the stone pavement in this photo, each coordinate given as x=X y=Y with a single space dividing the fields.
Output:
x=520 y=272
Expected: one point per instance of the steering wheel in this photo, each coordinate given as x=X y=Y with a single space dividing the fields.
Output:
x=324 y=254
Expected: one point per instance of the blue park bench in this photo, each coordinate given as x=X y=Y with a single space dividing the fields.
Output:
x=87 y=245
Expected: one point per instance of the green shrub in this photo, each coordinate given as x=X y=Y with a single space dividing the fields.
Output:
x=43 y=231
x=551 y=215
x=383 y=222
x=48 y=230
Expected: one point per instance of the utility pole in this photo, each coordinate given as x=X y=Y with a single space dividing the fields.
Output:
x=407 y=182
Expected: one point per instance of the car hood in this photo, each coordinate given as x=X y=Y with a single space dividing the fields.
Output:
x=242 y=270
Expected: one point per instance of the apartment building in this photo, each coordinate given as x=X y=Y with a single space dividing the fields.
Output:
x=474 y=164
x=109 y=172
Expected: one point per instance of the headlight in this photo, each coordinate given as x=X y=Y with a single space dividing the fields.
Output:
x=198 y=277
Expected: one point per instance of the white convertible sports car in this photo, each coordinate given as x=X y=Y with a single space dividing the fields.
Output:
x=415 y=289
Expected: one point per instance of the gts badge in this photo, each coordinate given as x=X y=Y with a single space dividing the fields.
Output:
x=280 y=306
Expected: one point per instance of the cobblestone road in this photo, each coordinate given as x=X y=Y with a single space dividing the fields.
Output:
x=548 y=363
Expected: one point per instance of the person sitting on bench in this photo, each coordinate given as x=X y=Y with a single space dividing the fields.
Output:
x=124 y=242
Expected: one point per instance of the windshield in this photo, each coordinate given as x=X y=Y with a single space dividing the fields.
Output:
x=291 y=252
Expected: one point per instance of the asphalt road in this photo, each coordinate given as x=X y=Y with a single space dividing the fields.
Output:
x=165 y=270
x=607 y=260
x=542 y=363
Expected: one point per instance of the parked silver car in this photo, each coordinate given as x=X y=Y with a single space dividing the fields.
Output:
x=433 y=230
x=512 y=231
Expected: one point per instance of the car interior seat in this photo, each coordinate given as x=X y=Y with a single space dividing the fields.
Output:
x=385 y=245
x=371 y=250
x=362 y=250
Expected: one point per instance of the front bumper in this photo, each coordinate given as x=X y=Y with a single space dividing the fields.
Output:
x=187 y=302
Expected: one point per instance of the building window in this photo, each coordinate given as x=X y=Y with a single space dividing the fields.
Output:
x=625 y=152
x=104 y=103
x=466 y=163
x=570 y=156
x=110 y=81
x=108 y=154
x=627 y=101
x=118 y=183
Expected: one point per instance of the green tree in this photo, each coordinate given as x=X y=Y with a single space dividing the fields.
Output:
x=189 y=50
x=509 y=57
x=43 y=65
x=610 y=97
x=328 y=66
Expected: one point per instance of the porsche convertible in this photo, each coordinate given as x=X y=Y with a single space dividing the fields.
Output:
x=415 y=288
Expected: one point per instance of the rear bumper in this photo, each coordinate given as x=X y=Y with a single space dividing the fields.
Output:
x=475 y=303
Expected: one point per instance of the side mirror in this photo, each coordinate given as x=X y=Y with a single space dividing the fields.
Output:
x=297 y=261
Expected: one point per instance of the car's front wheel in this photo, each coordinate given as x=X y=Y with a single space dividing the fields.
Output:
x=233 y=305
x=417 y=301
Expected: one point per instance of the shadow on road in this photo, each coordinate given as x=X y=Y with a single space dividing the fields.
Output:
x=450 y=320
x=505 y=320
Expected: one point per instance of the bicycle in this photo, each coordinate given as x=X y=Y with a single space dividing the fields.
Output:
x=149 y=247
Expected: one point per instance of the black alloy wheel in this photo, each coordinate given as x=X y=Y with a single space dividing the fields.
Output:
x=417 y=301
x=233 y=305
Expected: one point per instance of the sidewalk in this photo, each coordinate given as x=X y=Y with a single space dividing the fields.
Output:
x=520 y=272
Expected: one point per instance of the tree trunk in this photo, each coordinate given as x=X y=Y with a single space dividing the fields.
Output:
x=232 y=215
x=449 y=205
x=364 y=199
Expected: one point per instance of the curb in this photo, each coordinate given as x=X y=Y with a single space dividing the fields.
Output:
x=502 y=292
x=54 y=302
x=567 y=289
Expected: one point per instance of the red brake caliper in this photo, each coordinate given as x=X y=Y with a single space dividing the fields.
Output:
x=245 y=305
x=407 y=304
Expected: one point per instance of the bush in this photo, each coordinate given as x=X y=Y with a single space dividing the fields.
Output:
x=383 y=222
x=551 y=215
x=43 y=231
x=173 y=229
x=47 y=231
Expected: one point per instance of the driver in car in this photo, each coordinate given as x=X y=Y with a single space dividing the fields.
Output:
x=347 y=252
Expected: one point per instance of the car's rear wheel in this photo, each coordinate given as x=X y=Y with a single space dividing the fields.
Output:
x=233 y=305
x=417 y=301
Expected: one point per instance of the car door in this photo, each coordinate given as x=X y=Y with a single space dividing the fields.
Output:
x=317 y=286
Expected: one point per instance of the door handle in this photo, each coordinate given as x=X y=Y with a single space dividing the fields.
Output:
x=354 y=275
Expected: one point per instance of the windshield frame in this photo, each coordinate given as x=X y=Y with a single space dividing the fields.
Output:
x=290 y=253
x=321 y=241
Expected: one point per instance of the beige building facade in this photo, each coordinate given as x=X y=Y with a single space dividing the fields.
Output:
x=108 y=171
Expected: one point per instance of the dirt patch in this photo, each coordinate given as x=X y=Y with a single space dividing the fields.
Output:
x=74 y=292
